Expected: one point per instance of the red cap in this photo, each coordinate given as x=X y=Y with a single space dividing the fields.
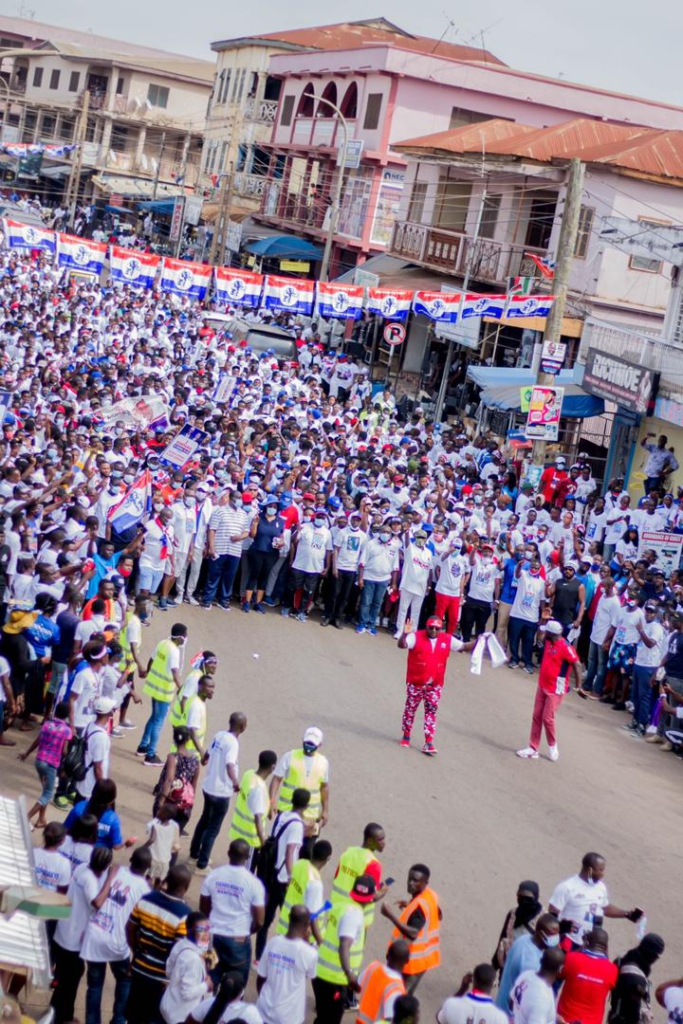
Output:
x=247 y=496
x=435 y=621
x=308 y=496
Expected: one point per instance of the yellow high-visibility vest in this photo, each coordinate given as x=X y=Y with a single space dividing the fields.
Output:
x=352 y=863
x=159 y=683
x=329 y=960
x=298 y=778
x=243 y=824
x=302 y=874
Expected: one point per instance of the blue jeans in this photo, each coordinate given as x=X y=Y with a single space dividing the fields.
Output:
x=233 y=955
x=597 y=668
x=47 y=773
x=209 y=825
x=93 y=999
x=155 y=724
x=221 y=570
x=521 y=630
x=371 y=602
x=641 y=694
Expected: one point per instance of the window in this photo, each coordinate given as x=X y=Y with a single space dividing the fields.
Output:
x=37 y=78
x=119 y=86
x=287 y=110
x=240 y=87
x=158 y=96
x=372 y=110
x=586 y=215
x=460 y=117
x=417 y=202
x=541 y=218
x=452 y=204
x=224 y=153
x=54 y=78
x=74 y=79
x=226 y=86
x=242 y=153
x=489 y=216
x=641 y=262
x=47 y=130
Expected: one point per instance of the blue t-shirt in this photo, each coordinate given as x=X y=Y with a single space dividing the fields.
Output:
x=509 y=586
x=42 y=635
x=266 y=531
x=104 y=567
x=109 y=828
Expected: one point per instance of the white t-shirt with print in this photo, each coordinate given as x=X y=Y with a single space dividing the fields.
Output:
x=286 y=964
x=579 y=901
x=453 y=570
x=417 y=564
x=528 y=596
x=235 y=1011
x=224 y=750
x=233 y=891
x=533 y=1000
x=483 y=579
x=53 y=871
x=105 y=933
x=312 y=547
x=673 y=1001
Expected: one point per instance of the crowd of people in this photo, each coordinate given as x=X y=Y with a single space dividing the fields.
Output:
x=310 y=494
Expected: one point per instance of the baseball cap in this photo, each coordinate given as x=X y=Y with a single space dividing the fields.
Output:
x=435 y=621
x=553 y=627
x=421 y=533
x=364 y=889
x=104 y=706
x=650 y=607
x=313 y=735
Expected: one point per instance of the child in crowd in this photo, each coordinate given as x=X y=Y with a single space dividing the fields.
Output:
x=51 y=741
x=53 y=871
x=163 y=841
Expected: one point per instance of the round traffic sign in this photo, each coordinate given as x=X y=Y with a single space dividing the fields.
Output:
x=394 y=334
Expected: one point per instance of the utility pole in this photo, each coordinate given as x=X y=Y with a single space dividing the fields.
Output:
x=336 y=196
x=441 y=398
x=74 y=185
x=162 y=147
x=220 y=231
x=565 y=258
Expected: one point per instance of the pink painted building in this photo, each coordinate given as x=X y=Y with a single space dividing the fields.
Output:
x=387 y=94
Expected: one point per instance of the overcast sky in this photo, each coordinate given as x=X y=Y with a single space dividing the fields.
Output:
x=614 y=44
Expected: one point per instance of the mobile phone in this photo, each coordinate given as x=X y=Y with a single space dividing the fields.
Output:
x=389 y=881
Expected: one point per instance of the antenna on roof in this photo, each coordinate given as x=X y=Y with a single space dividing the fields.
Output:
x=450 y=24
x=25 y=12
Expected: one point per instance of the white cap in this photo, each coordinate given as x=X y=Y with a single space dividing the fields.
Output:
x=553 y=627
x=313 y=735
x=104 y=706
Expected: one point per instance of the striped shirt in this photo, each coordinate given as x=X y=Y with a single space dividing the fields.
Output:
x=228 y=522
x=160 y=922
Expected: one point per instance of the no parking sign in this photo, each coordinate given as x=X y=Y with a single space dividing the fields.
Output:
x=394 y=334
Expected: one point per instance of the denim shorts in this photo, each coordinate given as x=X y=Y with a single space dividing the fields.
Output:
x=47 y=773
x=150 y=579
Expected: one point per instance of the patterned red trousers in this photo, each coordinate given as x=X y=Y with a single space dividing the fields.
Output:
x=431 y=695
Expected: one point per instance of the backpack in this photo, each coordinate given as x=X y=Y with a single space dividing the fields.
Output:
x=74 y=763
x=267 y=868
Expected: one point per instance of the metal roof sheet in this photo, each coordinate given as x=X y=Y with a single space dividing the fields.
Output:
x=567 y=138
x=655 y=153
x=40 y=31
x=471 y=138
x=23 y=939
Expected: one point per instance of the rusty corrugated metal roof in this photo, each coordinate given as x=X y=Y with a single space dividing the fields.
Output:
x=655 y=153
x=354 y=34
x=564 y=139
x=470 y=138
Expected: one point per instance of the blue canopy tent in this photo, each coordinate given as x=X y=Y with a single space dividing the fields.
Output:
x=501 y=390
x=286 y=247
x=164 y=206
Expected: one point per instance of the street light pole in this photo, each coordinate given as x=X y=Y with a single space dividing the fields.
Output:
x=336 y=197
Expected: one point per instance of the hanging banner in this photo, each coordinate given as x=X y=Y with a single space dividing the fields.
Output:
x=393 y=304
x=238 y=287
x=25 y=149
x=443 y=306
x=521 y=306
x=26 y=236
x=340 y=301
x=482 y=305
x=223 y=389
x=183 y=446
x=521 y=285
x=552 y=356
x=81 y=253
x=288 y=295
x=545 y=409
x=137 y=269
x=149 y=413
x=668 y=547
x=182 y=278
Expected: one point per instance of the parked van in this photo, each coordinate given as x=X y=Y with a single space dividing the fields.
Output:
x=258 y=337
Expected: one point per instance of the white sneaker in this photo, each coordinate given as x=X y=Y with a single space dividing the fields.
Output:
x=528 y=752
x=553 y=754
x=193 y=601
x=398 y=634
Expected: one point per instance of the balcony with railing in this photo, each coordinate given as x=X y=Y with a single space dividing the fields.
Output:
x=315 y=131
x=250 y=186
x=260 y=111
x=453 y=252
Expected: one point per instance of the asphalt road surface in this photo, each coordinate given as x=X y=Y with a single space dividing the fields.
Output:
x=481 y=818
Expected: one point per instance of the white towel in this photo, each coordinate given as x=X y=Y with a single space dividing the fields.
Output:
x=477 y=655
x=486 y=641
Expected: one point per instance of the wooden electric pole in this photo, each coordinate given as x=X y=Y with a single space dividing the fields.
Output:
x=74 y=185
x=565 y=258
x=220 y=231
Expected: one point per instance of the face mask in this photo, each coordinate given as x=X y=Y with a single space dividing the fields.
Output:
x=486 y=559
x=128 y=478
x=271 y=512
x=595 y=567
x=309 y=749
x=158 y=506
x=551 y=941
x=190 y=501
x=319 y=521
x=354 y=526
x=385 y=537
x=203 y=944
x=632 y=604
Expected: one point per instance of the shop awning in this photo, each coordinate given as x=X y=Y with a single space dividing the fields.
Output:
x=138 y=188
x=501 y=390
x=285 y=247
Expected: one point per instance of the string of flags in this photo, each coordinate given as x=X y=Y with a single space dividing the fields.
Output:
x=23 y=149
x=250 y=290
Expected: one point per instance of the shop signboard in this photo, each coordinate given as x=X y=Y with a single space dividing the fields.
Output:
x=616 y=380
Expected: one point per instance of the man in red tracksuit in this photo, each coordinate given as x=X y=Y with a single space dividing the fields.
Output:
x=428 y=653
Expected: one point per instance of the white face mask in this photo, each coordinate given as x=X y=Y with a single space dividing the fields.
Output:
x=190 y=500
x=158 y=506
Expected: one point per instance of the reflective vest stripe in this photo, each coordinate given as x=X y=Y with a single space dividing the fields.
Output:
x=425 y=950
x=352 y=863
x=378 y=986
x=298 y=778
x=243 y=825
x=329 y=960
x=303 y=873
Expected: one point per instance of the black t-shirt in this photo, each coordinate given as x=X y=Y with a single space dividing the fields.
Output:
x=566 y=599
x=674 y=656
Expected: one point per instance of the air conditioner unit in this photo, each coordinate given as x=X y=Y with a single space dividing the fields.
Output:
x=147 y=106
x=135 y=104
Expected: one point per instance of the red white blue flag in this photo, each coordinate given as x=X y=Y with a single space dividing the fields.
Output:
x=133 y=505
x=80 y=253
x=183 y=278
x=288 y=295
x=238 y=287
x=391 y=303
x=544 y=263
x=137 y=269
x=340 y=301
x=443 y=306
x=521 y=306
x=483 y=305
x=27 y=236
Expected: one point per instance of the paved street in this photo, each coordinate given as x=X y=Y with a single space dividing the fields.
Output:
x=478 y=816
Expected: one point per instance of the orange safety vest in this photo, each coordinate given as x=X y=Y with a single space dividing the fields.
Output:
x=377 y=988
x=425 y=951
